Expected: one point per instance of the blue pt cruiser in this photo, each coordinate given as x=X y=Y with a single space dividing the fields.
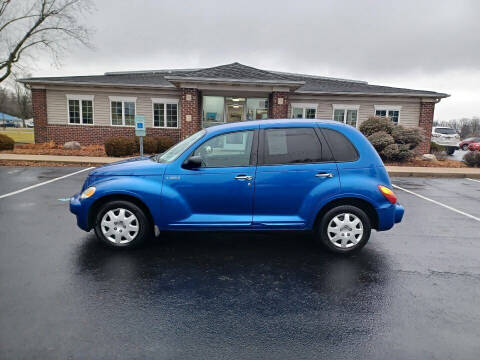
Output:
x=258 y=175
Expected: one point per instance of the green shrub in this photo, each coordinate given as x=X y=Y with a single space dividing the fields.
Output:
x=472 y=159
x=120 y=146
x=380 y=140
x=165 y=143
x=397 y=152
x=6 y=142
x=435 y=148
x=375 y=124
x=411 y=136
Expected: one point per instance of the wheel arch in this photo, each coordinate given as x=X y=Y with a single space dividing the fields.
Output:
x=115 y=197
x=353 y=201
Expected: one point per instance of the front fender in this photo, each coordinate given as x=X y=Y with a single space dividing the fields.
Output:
x=147 y=189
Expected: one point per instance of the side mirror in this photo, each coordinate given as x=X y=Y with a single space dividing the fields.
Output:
x=193 y=162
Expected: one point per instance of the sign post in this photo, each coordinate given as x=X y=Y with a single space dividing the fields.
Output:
x=140 y=130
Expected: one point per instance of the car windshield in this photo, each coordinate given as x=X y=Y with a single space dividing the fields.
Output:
x=446 y=131
x=175 y=151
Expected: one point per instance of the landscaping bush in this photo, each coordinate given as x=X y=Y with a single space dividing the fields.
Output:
x=435 y=148
x=397 y=152
x=165 y=143
x=375 y=124
x=472 y=159
x=120 y=146
x=6 y=142
x=380 y=140
x=150 y=144
x=411 y=136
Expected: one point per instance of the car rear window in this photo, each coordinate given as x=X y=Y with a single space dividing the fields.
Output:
x=293 y=146
x=342 y=148
x=446 y=131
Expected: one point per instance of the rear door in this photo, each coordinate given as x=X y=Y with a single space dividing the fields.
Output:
x=295 y=171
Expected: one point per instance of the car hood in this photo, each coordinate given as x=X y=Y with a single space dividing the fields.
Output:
x=136 y=166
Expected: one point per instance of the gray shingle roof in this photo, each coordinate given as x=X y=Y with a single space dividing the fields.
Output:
x=234 y=71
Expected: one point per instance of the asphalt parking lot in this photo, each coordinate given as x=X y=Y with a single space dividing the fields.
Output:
x=412 y=293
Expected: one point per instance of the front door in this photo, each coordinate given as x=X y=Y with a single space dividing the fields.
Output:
x=295 y=173
x=220 y=193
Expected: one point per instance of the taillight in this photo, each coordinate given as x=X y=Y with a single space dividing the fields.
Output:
x=388 y=193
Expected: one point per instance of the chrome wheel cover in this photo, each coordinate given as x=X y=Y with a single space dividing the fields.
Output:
x=345 y=230
x=119 y=226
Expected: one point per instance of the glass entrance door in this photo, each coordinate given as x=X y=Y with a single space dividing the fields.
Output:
x=235 y=109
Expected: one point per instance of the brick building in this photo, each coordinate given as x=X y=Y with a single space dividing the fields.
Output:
x=178 y=103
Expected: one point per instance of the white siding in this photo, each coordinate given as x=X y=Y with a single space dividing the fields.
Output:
x=409 y=114
x=57 y=108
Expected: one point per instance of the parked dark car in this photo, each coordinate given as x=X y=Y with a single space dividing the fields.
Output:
x=464 y=143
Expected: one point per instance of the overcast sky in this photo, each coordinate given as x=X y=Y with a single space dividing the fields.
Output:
x=429 y=45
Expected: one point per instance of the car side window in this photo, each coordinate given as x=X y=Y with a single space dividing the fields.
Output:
x=293 y=146
x=227 y=150
x=342 y=148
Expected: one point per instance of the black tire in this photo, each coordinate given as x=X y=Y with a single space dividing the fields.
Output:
x=321 y=233
x=450 y=150
x=465 y=147
x=144 y=224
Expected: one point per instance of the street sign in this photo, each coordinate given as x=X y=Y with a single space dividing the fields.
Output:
x=140 y=125
x=140 y=130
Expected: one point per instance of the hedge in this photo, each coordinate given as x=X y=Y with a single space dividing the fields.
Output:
x=125 y=146
x=6 y=142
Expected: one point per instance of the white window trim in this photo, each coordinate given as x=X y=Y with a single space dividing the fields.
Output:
x=80 y=97
x=388 y=108
x=346 y=107
x=165 y=101
x=303 y=106
x=123 y=100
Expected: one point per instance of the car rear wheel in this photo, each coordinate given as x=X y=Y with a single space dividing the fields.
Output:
x=465 y=147
x=450 y=150
x=122 y=224
x=344 y=229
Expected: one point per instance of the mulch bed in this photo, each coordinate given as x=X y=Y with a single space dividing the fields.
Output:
x=50 y=148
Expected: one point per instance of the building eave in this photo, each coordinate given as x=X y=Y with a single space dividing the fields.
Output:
x=178 y=79
x=439 y=95
x=88 y=83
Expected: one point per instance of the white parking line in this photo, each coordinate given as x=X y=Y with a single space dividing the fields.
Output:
x=473 y=180
x=44 y=183
x=437 y=202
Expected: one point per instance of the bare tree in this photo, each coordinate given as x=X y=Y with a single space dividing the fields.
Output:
x=30 y=25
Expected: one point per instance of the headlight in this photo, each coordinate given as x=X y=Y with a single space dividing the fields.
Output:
x=88 y=192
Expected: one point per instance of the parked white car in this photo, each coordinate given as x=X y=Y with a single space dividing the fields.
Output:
x=446 y=137
x=29 y=123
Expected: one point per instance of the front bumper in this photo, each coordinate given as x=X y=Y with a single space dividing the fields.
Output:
x=80 y=210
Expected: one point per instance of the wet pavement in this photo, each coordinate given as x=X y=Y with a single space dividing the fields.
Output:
x=412 y=293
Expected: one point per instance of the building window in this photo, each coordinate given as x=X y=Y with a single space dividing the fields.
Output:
x=213 y=110
x=122 y=111
x=347 y=114
x=80 y=109
x=257 y=108
x=304 y=111
x=390 y=111
x=165 y=113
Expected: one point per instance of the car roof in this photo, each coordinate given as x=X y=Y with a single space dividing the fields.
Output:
x=252 y=124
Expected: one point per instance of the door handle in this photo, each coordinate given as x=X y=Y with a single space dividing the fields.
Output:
x=324 y=175
x=243 y=177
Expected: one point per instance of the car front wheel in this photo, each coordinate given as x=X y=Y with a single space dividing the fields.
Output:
x=450 y=150
x=122 y=224
x=344 y=229
x=465 y=147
